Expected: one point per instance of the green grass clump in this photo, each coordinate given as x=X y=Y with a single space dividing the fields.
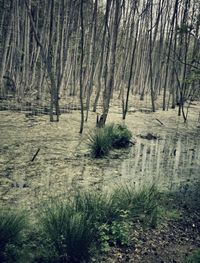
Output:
x=97 y=206
x=69 y=232
x=108 y=137
x=100 y=142
x=194 y=257
x=111 y=225
x=142 y=204
x=74 y=230
x=121 y=136
x=12 y=225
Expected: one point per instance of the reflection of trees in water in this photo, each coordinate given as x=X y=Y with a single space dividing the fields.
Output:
x=167 y=162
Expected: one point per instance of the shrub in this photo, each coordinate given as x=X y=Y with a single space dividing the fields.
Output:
x=113 y=234
x=69 y=232
x=11 y=226
x=121 y=136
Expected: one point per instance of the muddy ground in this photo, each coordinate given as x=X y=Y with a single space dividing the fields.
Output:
x=64 y=165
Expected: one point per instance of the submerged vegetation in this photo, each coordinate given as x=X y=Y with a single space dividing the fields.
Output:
x=110 y=136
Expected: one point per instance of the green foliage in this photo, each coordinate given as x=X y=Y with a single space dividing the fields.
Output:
x=11 y=226
x=170 y=214
x=111 y=225
x=107 y=137
x=194 y=257
x=142 y=204
x=69 y=232
x=114 y=233
x=97 y=206
x=103 y=234
x=120 y=229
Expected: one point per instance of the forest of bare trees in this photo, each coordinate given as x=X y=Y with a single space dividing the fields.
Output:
x=99 y=131
x=52 y=49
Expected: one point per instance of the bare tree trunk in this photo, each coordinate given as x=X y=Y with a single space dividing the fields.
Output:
x=6 y=49
x=108 y=4
x=92 y=55
x=150 y=60
x=81 y=66
x=46 y=60
x=125 y=108
x=111 y=72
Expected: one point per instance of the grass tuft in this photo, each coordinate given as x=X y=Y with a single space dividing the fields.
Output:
x=194 y=257
x=69 y=232
x=97 y=206
x=108 y=137
x=121 y=136
x=142 y=204
x=11 y=226
x=89 y=223
x=100 y=142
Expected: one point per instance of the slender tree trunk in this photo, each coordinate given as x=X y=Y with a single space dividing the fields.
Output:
x=111 y=72
x=125 y=108
x=6 y=49
x=81 y=66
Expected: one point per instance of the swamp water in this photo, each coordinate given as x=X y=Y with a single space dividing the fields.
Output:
x=64 y=165
x=168 y=163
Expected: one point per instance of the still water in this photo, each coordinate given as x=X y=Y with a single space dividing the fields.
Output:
x=169 y=163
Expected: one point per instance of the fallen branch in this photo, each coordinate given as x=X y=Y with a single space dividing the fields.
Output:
x=35 y=155
x=159 y=121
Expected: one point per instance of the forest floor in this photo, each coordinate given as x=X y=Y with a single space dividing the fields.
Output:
x=173 y=241
x=63 y=165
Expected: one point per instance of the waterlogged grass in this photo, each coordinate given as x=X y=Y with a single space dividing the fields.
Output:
x=108 y=137
x=121 y=136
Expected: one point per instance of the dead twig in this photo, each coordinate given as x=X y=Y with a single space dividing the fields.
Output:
x=159 y=121
x=35 y=155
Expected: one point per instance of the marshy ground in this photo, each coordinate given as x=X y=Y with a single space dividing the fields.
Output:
x=64 y=165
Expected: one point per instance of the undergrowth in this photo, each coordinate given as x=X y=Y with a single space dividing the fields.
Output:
x=12 y=225
x=194 y=257
x=69 y=232
x=84 y=226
